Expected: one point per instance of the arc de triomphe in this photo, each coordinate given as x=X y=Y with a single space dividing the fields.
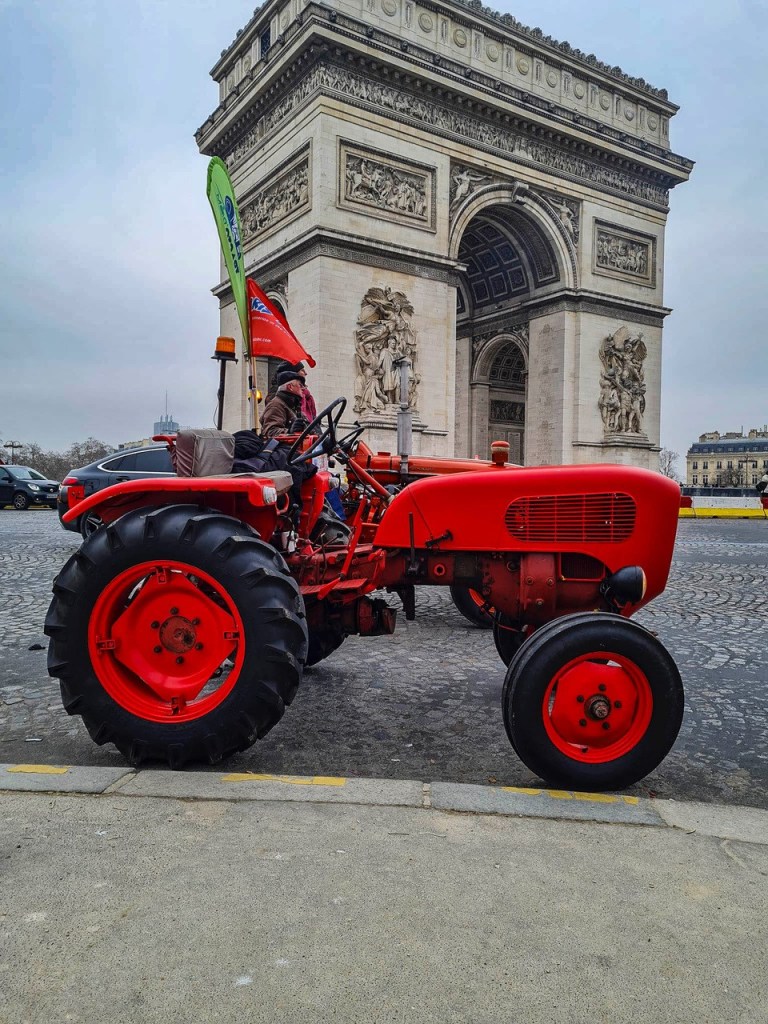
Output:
x=437 y=180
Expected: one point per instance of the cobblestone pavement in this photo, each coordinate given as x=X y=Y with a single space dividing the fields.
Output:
x=425 y=703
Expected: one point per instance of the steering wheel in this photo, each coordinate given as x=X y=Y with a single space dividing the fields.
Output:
x=346 y=444
x=326 y=441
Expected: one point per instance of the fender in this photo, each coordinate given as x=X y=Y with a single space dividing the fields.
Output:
x=250 y=499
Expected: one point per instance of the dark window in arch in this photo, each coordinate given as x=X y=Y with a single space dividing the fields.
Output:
x=265 y=41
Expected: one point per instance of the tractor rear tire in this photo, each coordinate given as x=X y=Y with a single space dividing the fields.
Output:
x=592 y=701
x=177 y=635
x=472 y=606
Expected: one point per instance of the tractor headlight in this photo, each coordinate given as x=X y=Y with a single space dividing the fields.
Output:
x=627 y=586
x=269 y=494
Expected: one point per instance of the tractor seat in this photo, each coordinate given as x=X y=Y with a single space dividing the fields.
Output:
x=211 y=453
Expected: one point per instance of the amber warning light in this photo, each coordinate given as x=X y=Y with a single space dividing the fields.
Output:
x=225 y=349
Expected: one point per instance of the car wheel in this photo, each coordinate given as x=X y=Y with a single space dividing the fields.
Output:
x=90 y=523
x=20 y=501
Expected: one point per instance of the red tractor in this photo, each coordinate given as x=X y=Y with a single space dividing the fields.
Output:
x=180 y=630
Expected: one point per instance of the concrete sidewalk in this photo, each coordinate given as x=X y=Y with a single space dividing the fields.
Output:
x=185 y=897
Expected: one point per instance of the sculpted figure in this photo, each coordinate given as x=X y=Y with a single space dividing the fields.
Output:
x=622 y=382
x=383 y=336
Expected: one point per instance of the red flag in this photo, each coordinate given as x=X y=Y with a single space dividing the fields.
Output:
x=270 y=333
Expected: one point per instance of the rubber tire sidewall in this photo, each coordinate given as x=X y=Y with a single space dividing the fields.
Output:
x=537 y=662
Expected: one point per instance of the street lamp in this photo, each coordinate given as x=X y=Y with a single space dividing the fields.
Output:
x=12 y=446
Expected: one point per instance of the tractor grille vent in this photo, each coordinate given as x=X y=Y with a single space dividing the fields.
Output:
x=608 y=518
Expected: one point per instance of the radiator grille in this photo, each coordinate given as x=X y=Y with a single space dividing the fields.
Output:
x=607 y=518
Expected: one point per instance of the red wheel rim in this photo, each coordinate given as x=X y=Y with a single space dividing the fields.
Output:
x=482 y=603
x=166 y=641
x=597 y=707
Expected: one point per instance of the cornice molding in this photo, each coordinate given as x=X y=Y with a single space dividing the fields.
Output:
x=332 y=29
x=469 y=11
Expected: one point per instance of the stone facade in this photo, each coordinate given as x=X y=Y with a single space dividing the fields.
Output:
x=442 y=180
x=727 y=460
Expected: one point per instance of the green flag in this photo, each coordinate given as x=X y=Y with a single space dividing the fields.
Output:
x=221 y=196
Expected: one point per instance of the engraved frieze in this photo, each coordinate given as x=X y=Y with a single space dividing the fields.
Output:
x=386 y=187
x=622 y=382
x=285 y=196
x=622 y=254
x=448 y=120
x=507 y=412
x=383 y=336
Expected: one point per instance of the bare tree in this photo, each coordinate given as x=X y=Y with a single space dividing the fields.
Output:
x=56 y=465
x=668 y=463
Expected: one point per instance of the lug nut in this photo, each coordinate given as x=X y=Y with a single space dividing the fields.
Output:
x=617 y=703
x=155 y=625
x=606 y=725
x=580 y=699
x=179 y=660
x=195 y=622
x=602 y=687
x=158 y=650
x=582 y=722
x=198 y=647
x=174 y=611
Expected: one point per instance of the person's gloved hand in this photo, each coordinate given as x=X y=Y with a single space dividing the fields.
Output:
x=298 y=425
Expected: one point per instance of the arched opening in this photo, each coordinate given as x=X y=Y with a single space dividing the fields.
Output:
x=511 y=252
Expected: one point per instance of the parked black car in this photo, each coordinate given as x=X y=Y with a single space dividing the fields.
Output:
x=128 y=464
x=22 y=486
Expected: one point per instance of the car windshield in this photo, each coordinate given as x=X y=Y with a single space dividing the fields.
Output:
x=25 y=473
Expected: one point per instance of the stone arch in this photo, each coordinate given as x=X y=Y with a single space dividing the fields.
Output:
x=498 y=398
x=529 y=216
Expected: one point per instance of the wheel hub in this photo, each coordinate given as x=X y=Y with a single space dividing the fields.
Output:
x=178 y=634
x=597 y=707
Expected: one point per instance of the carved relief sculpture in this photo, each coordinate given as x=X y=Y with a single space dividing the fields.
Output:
x=384 y=336
x=620 y=254
x=622 y=382
x=465 y=181
x=388 y=187
x=284 y=197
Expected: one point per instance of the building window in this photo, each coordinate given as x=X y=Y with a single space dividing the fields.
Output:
x=705 y=465
x=695 y=479
x=754 y=465
x=754 y=478
x=705 y=480
x=695 y=465
x=264 y=42
x=719 y=465
x=730 y=463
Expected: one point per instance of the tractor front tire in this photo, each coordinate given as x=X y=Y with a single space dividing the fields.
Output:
x=177 y=635
x=472 y=606
x=592 y=701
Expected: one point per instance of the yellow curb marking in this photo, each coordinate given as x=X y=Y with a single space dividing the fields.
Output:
x=566 y=794
x=38 y=769
x=291 y=780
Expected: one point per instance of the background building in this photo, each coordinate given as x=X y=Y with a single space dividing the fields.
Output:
x=727 y=460
x=440 y=182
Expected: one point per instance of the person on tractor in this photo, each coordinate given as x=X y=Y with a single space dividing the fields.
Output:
x=283 y=412
x=308 y=407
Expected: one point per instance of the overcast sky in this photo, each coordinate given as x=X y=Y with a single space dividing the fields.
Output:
x=108 y=246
